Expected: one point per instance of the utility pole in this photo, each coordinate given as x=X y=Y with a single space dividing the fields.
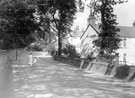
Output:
x=16 y=53
x=15 y=40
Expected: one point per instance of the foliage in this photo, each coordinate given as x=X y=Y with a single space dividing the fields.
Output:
x=34 y=48
x=17 y=24
x=22 y=21
x=90 y=56
x=60 y=14
x=108 y=40
x=70 y=51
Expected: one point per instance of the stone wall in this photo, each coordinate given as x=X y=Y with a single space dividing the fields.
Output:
x=121 y=72
x=114 y=70
x=6 y=76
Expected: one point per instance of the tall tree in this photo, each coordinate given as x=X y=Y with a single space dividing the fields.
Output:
x=108 y=40
x=60 y=13
x=17 y=24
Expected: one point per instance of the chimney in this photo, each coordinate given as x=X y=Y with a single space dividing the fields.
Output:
x=92 y=19
x=134 y=23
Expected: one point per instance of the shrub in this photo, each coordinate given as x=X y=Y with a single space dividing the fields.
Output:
x=34 y=48
x=70 y=52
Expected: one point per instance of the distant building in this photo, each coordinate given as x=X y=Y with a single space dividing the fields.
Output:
x=74 y=38
x=126 y=53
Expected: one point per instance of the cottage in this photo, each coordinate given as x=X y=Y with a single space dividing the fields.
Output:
x=126 y=52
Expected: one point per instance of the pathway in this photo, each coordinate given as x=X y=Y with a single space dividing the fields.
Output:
x=52 y=79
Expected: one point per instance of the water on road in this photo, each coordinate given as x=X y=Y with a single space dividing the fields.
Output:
x=51 y=79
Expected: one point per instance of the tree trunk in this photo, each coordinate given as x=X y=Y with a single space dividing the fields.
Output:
x=59 y=43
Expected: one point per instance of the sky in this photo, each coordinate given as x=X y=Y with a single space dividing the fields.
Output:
x=125 y=15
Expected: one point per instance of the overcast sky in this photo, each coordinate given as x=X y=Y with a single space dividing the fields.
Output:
x=125 y=15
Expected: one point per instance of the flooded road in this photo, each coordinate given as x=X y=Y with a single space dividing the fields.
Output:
x=51 y=79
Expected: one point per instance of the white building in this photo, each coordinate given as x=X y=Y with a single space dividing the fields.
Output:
x=127 y=50
x=127 y=34
x=74 y=38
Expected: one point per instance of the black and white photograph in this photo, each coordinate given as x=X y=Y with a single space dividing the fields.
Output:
x=67 y=48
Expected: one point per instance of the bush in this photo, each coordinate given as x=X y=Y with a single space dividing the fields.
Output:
x=90 y=57
x=122 y=72
x=70 y=52
x=34 y=48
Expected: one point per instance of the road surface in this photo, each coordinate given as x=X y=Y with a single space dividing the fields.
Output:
x=51 y=79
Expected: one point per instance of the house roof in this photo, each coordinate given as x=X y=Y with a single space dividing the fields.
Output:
x=125 y=31
x=94 y=27
x=77 y=34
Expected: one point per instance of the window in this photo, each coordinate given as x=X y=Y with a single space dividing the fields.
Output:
x=124 y=43
x=93 y=36
x=124 y=58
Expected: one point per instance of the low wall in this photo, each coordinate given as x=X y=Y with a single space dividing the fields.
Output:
x=121 y=72
x=6 y=76
x=75 y=62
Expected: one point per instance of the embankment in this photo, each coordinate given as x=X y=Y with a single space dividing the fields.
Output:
x=6 y=76
x=118 y=71
x=123 y=72
x=6 y=72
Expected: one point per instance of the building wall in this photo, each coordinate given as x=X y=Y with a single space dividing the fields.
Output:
x=127 y=51
x=86 y=41
x=75 y=41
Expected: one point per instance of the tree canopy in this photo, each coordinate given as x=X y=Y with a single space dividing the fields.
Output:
x=108 y=39
x=23 y=20
x=17 y=23
x=60 y=15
